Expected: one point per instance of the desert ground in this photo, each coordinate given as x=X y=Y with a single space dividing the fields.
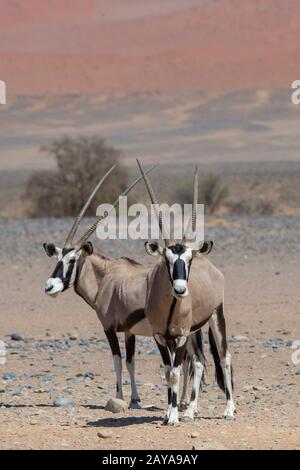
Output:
x=174 y=83
x=61 y=350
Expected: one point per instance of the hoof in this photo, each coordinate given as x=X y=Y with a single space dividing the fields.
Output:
x=165 y=419
x=172 y=423
x=134 y=405
x=229 y=417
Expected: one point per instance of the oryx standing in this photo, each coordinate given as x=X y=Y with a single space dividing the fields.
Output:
x=184 y=291
x=114 y=288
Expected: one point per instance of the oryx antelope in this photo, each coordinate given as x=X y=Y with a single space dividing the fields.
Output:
x=115 y=289
x=184 y=291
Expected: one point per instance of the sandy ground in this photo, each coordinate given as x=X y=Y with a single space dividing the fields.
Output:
x=262 y=306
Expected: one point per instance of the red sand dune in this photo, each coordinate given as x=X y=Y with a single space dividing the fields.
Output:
x=67 y=46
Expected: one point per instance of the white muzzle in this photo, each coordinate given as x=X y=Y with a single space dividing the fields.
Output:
x=54 y=286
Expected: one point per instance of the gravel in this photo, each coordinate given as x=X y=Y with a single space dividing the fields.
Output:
x=249 y=235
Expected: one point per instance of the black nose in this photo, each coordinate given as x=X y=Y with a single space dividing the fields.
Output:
x=179 y=290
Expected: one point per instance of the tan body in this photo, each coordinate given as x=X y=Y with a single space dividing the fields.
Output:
x=206 y=291
x=115 y=288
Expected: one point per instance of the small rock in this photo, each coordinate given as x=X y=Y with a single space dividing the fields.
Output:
x=63 y=401
x=16 y=337
x=88 y=375
x=104 y=434
x=154 y=352
x=8 y=377
x=115 y=405
x=73 y=336
x=240 y=338
x=194 y=435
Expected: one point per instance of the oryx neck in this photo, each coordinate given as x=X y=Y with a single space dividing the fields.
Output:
x=89 y=271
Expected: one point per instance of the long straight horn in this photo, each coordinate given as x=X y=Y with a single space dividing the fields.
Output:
x=99 y=219
x=156 y=205
x=195 y=200
x=77 y=221
x=189 y=236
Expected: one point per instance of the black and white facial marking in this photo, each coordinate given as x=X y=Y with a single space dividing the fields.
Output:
x=178 y=259
x=65 y=271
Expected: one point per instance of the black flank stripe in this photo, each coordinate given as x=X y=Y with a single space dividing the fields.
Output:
x=135 y=317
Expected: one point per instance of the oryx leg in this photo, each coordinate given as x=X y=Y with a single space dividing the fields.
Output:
x=175 y=378
x=222 y=358
x=192 y=408
x=115 y=349
x=184 y=394
x=130 y=350
x=165 y=355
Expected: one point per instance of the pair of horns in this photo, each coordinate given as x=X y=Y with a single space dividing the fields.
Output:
x=91 y=230
x=168 y=241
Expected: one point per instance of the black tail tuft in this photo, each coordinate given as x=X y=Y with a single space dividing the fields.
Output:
x=215 y=354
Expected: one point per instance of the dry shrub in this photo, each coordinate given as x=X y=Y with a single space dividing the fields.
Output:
x=252 y=207
x=212 y=193
x=80 y=162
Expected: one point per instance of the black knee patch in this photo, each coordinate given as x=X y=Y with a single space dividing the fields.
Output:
x=113 y=342
x=130 y=348
x=169 y=396
x=179 y=355
x=174 y=400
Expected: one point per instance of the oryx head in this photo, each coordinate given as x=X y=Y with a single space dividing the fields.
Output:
x=178 y=256
x=65 y=272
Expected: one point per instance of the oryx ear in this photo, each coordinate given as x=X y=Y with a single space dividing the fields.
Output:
x=206 y=247
x=153 y=248
x=88 y=248
x=50 y=249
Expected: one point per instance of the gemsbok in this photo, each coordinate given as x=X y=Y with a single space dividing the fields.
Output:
x=116 y=289
x=184 y=292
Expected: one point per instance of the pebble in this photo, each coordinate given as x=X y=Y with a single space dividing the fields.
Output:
x=63 y=401
x=9 y=377
x=104 y=434
x=154 y=352
x=16 y=337
x=240 y=338
x=89 y=375
x=194 y=434
x=115 y=405
x=73 y=336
